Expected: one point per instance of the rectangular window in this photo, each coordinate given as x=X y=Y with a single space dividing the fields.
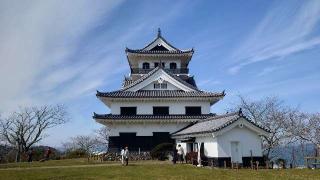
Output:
x=128 y=111
x=163 y=86
x=193 y=110
x=160 y=111
x=160 y=86
x=156 y=86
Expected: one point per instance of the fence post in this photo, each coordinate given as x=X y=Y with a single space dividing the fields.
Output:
x=257 y=162
x=225 y=164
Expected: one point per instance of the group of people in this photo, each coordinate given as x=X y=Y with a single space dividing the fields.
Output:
x=47 y=154
x=178 y=153
x=125 y=156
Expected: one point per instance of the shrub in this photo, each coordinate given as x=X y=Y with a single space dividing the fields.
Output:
x=78 y=153
x=161 y=151
x=192 y=158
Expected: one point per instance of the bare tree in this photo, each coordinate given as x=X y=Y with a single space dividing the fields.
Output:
x=103 y=136
x=86 y=143
x=25 y=127
x=305 y=127
x=271 y=114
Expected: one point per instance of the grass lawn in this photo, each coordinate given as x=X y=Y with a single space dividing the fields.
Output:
x=80 y=169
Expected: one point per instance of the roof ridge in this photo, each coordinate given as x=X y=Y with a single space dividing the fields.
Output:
x=159 y=36
x=159 y=52
x=181 y=80
x=141 y=79
x=222 y=116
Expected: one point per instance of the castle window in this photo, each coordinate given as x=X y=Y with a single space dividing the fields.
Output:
x=173 y=66
x=161 y=111
x=193 y=110
x=145 y=65
x=160 y=85
x=156 y=65
x=128 y=111
x=163 y=64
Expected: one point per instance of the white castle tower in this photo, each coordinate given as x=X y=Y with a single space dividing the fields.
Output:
x=159 y=98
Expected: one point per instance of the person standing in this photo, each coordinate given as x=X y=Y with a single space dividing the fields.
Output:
x=30 y=154
x=122 y=156
x=48 y=153
x=174 y=158
x=126 y=155
x=180 y=153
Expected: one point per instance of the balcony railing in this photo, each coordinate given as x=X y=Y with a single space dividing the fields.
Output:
x=174 y=71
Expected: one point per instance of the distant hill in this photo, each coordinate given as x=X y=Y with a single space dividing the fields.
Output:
x=294 y=154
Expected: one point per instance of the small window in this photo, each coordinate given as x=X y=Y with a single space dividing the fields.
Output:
x=145 y=66
x=160 y=85
x=173 y=66
x=128 y=111
x=160 y=111
x=156 y=86
x=156 y=65
x=163 y=64
x=193 y=110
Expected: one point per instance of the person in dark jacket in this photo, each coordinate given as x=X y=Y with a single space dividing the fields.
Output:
x=30 y=155
x=175 y=157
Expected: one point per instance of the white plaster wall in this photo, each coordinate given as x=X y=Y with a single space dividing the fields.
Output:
x=174 y=107
x=169 y=86
x=146 y=129
x=210 y=145
x=248 y=140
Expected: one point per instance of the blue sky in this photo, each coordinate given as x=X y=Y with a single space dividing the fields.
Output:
x=63 y=51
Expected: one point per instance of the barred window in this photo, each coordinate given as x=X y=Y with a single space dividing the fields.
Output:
x=160 y=86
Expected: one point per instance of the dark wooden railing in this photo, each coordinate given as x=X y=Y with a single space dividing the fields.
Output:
x=174 y=71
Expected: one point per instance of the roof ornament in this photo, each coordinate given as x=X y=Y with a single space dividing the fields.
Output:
x=159 y=32
x=240 y=112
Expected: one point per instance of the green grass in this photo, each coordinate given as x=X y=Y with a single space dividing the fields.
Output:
x=80 y=169
x=66 y=162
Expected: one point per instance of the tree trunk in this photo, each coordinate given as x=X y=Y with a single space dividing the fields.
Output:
x=18 y=155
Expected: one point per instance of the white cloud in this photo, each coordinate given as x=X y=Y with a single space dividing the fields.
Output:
x=37 y=39
x=286 y=29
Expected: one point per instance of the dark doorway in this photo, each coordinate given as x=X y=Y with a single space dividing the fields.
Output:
x=127 y=140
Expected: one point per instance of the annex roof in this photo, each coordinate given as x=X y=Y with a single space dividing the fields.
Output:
x=215 y=124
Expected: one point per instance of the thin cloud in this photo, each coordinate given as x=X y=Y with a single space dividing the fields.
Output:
x=286 y=29
x=36 y=37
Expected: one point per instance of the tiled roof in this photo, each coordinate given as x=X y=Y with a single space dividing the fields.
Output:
x=215 y=124
x=159 y=36
x=147 y=116
x=158 y=94
x=140 y=51
x=141 y=79
x=154 y=71
x=189 y=79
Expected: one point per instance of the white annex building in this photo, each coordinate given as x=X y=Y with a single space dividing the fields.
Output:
x=160 y=102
